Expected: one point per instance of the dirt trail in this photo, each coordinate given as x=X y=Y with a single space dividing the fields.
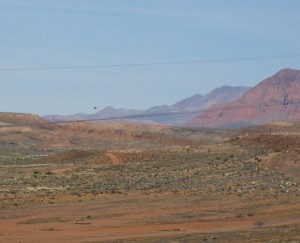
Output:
x=114 y=158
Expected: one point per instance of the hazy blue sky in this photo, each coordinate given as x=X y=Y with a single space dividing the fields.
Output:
x=38 y=33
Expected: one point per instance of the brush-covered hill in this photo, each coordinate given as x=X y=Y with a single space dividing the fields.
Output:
x=10 y=118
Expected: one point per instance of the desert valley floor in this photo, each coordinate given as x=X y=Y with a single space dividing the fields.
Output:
x=87 y=182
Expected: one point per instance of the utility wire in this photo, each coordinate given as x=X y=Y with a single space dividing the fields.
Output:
x=204 y=111
x=149 y=64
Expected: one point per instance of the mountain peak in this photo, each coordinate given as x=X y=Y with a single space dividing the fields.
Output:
x=286 y=70
x=108 y=108
x=282 y=88
x=288 y=75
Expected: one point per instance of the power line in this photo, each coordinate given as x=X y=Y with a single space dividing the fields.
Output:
x=149 y=63
x=275 y=103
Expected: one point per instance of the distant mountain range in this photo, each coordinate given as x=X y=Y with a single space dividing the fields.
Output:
x=219 y=95
x=275 y=98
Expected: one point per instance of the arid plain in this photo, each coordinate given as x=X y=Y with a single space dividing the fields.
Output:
x=114 y=182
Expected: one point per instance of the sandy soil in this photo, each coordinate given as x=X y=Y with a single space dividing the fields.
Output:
x=136 y=216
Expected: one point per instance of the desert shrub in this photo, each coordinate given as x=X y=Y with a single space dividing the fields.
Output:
x=239 y=216
x=259 y=224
